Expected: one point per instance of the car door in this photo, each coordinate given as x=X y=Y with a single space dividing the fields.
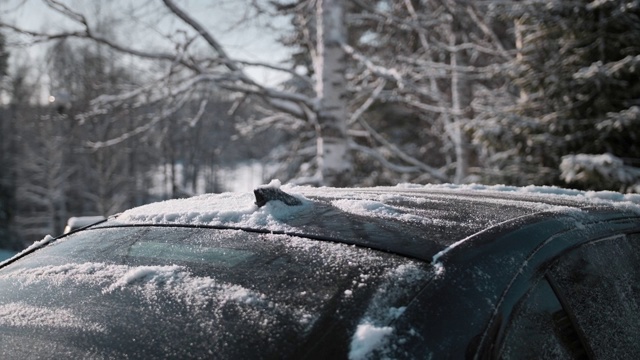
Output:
x=585 y=305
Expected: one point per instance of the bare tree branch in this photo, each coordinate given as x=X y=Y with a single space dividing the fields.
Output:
x=205 y=35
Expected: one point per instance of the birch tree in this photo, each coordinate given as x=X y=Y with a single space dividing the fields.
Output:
x=187 y=66
x=434 y=58
x=431 y=60
x=330 y=66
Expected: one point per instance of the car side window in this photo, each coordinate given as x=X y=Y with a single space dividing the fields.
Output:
x=540 y=329
x=599 y=286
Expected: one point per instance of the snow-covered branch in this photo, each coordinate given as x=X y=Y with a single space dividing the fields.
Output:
x=599 y=170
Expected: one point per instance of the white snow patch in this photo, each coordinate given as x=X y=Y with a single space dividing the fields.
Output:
x=18 y=314
x=153 y=274
x=368 y=338
x=379 y=209
x=76 y=222
x=373 y=332
x=612 y=198
x=274 y=184
x=366 y=207
x=435 y=260
x=229 y=209
x=149 y=281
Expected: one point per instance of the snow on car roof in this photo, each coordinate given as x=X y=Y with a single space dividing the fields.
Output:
x=430 y=217
x=543 y=192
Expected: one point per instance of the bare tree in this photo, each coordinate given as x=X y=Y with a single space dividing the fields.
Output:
x=435 y=57
x=187 y=68
x=44 y=178
x=425 y=56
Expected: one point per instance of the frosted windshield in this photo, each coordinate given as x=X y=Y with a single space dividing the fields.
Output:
x=164 y=291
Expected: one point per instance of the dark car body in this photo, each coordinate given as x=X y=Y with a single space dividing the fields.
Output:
x=405 y=272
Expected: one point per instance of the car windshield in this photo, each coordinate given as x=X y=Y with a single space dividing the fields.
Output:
x=198 y=292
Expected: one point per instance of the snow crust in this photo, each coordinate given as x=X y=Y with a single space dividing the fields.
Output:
x=610 y=198
x=148 y=281
x=18 y=314
x=379 y=209
x=239 y=209
x=631 y=201
x=229 y=209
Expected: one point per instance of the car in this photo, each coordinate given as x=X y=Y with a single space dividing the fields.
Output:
x=294 y=272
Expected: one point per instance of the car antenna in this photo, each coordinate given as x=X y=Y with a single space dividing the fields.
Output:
x=266 y=194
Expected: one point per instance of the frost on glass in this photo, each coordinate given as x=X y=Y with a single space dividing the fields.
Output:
x=539 y=329
x=175 y=292
x=375 y=335
x=600 y=283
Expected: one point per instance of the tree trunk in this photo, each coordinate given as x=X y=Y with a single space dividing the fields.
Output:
x=334 y=160
x=461 y=96
x=517 y=28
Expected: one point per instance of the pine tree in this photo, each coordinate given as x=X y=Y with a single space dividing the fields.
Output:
x=578 y=72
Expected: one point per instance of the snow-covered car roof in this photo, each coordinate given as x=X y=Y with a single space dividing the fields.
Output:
x=432 y=217
x=242 y=273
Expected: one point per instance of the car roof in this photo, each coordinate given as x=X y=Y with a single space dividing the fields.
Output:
x=416 y=221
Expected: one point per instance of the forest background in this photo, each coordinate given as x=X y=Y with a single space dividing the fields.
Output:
x=145 y=103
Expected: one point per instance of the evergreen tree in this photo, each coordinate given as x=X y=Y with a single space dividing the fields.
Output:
x=578 y=72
